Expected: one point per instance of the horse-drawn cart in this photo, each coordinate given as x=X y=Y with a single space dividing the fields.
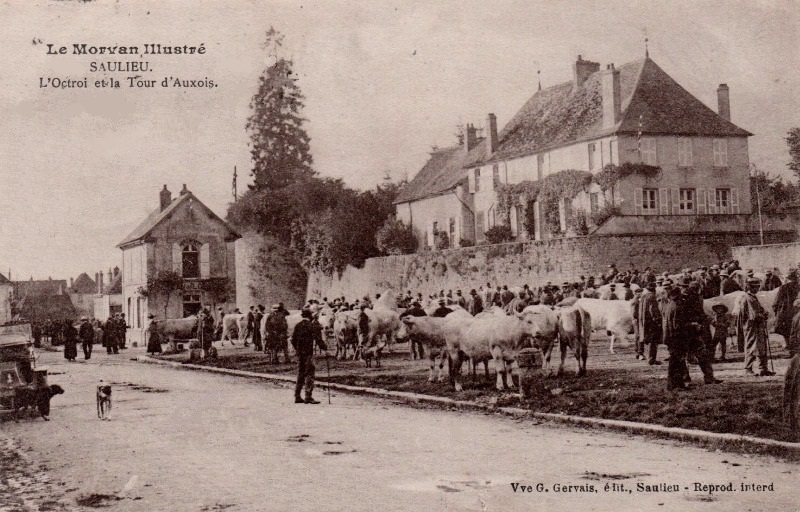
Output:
x=19 y=377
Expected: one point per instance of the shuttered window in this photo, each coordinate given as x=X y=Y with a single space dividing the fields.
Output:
x=688 y=200
x=649 y=201
x=649 y=155
x=722 y=201
x=684 y=152
x=720 y=152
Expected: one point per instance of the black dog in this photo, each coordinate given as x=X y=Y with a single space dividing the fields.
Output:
x=27 y=398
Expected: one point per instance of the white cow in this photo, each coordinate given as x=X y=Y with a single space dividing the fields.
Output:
x=345 y=332
x=574 y=331
x=613 y=316
x=433 y=334
x=382 y=322
x=231 y=322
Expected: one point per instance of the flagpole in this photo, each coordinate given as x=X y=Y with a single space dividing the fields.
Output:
x=234 y=184
x=758 y=202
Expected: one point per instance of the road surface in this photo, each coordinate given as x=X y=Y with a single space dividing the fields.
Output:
x=193 y=441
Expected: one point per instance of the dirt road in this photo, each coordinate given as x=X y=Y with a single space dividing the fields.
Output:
x=185 y=441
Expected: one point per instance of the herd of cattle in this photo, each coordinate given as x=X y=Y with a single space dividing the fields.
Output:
x=460 y=337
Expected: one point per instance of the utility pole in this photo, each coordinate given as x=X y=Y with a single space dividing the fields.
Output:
x=234 y=184
x=758 y=202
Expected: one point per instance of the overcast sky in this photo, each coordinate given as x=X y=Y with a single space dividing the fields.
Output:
x=384 y=81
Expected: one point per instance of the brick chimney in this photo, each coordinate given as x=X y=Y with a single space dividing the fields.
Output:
x=165 y=197
x=470 y=137
x=724 y=102
x=71 y=283
x=98 y=287
x=184 y=190
x=612 y=97
x=491 y=134
x=582 y=69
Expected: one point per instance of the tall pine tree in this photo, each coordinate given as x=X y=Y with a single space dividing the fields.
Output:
x=279 y=144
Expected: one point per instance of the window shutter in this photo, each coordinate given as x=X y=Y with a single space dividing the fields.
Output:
x=676 y=201
x=734 y=200
x=512 y=220
x=471 y=181
x=177 y=258
x=712 y=201
x=702 y=199
x=205 y=263
x=663 y=201
x=637 y=201
x=457 y=238
x=429 y=237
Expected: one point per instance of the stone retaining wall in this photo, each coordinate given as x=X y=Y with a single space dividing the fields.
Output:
x=533 y=263
x=768 y=257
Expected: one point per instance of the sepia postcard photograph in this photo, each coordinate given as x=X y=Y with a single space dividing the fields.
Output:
x=354 y=255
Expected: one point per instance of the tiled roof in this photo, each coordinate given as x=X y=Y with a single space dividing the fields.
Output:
x=563 y=114
x=84 y=284
x=443 y=171
x=40 y=287
x=154 y=219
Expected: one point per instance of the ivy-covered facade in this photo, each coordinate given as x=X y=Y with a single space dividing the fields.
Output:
x=617 y=142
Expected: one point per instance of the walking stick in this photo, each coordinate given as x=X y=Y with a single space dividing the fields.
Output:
x=328 y=365
x=769 y=355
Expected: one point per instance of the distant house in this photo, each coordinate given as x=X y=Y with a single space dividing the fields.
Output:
x=685 y=161
x=181 y=235
x=108 y=297
x=81 y=292
x=39 y=300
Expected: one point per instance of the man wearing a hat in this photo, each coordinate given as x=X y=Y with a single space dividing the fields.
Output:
x=752 y=323
x=728 y=284
x=441 y=311
x=276 y=329
x=306 y=334
x=699 y=332
x=475 y=304
x=637 y=335
x=675 y=336
x=720 y=323
x=650 y=322
x=784 y=307
x=86 y=334
x=414 y=340
x=771 y=282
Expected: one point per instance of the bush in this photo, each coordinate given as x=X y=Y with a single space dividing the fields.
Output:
x=603 y=214
x=394 y=237
x=466 y=242
x=441 y=240
x=578 y=222
x=499 y=234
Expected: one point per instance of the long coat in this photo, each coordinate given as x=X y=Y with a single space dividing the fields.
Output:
x=70 y=342
x=649 y=318
x=784 y=308
x=752 y=321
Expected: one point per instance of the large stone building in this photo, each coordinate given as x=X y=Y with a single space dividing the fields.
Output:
x=695 y=177
x=184 y=236
x=5 y=300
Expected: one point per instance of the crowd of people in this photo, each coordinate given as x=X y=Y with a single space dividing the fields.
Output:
x=666 y=308
x=111 y=333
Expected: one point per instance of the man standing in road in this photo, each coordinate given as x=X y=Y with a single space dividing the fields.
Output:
x=650 y=329
x=305 y=336
x=86 y=334
x=753 y=319
x=257 y=316
x=276 y=331
x=251 y=318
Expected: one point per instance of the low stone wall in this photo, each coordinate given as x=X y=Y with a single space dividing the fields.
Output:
x=534 y=263
x=768 y=257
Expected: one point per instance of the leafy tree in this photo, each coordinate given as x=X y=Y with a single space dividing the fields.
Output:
x=279 y=144
x=499 y=234
x=165 y=282
x=395 y=237
x=793 y=140
x=441 y=240
x=777 y=196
